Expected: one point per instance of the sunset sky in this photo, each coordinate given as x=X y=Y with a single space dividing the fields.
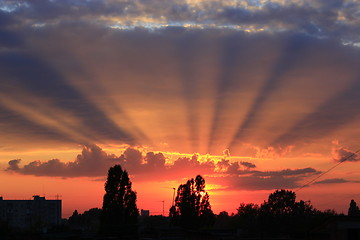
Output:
x=254 y=95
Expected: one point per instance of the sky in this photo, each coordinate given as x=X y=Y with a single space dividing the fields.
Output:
x=254 y=95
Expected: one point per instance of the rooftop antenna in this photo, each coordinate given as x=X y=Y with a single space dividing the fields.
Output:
x=173 y=199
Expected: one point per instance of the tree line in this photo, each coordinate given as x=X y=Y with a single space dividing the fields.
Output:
x=280 y=213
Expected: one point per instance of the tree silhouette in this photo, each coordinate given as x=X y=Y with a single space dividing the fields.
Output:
x=250 y=209
x=283 y=214
x=74 y=219
x=119 y=211
x=280 y=202
x=192 y=207
x=283 y=202
x=247 y=216
x=88 y=221
x=353 y=209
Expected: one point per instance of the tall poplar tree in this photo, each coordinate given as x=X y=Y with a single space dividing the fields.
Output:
x=119 y=211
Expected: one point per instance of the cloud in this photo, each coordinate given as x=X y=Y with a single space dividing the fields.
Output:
x=248 y=178
x=139 y=164
x=14 y=165
x=265 y=180
x=319 y=18
x=240 y=73
x=287 y=172
x=192 y=166
x=94 y=162
x=332 y=181
x=241 y=167
x=225 y=166
x=259 y=180
x=155 y=160
x=132 y=157
x=342 y=154
x=247 y=164
x=258 y=183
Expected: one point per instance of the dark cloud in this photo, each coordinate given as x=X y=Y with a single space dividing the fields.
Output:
x=94 y=162
x=52 y=11
x=287 y=172
x=234 y=168
x=258 y=183
x=242 y=167
x=225 y=166
x=248 y=164
x=336 y=19
x=132 y=157
x=250 y=179
x=139 y=164
x=332 y=181
x=257 y=180
x=341 y=154
x=288 y=178
x=155 y=160
x=192 y=165
x=14 y=165
x=315 y=20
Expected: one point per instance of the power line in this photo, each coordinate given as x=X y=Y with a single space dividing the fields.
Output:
x=323 y=173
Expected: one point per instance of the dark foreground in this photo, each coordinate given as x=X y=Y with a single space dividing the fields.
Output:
x=337 y=228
